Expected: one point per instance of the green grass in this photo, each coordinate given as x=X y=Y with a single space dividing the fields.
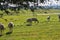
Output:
x=42 y=31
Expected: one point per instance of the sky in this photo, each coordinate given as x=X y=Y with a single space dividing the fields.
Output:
x=50 y=3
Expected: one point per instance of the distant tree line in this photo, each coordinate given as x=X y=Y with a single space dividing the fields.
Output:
x=16 y=1
x=19 y=2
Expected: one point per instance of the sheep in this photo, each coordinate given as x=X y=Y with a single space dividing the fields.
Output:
x=7 y=12
x=10 y=26
x=6 y=20
x=45 y=12
x=59 y=17
x=48 y=18
x=32 y=19
x=1 y=28
x=1 y=15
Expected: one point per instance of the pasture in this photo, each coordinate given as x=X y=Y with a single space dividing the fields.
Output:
x=42 y=31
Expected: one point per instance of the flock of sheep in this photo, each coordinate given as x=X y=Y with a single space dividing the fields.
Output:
x=10 y=26
x=29 y=20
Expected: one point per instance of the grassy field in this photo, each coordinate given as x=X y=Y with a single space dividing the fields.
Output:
x=42 y=31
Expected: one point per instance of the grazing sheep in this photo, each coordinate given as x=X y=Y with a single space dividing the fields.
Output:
x=32 y=10
x=48 y=18
x=1 y=15
x=6 y=20
x=32 y=19
x=7 y=12
x=10 y=26
x=45 y=12
x=59 y=17
x=1 y=28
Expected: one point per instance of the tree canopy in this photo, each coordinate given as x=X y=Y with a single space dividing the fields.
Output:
x=15 y=1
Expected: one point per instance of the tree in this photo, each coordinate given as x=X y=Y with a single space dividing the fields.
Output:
x=15 y=1
x=41 y=1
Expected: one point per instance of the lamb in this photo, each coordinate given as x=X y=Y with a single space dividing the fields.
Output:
x=1 y=29
x=10 y=26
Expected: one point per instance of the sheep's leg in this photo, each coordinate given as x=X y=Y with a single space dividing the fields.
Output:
x=0 y=32
x=48 y=20
x=11 y=30
x=34 y=21
x=37 y=21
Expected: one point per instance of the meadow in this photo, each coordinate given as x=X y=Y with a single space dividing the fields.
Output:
x=42 y=31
